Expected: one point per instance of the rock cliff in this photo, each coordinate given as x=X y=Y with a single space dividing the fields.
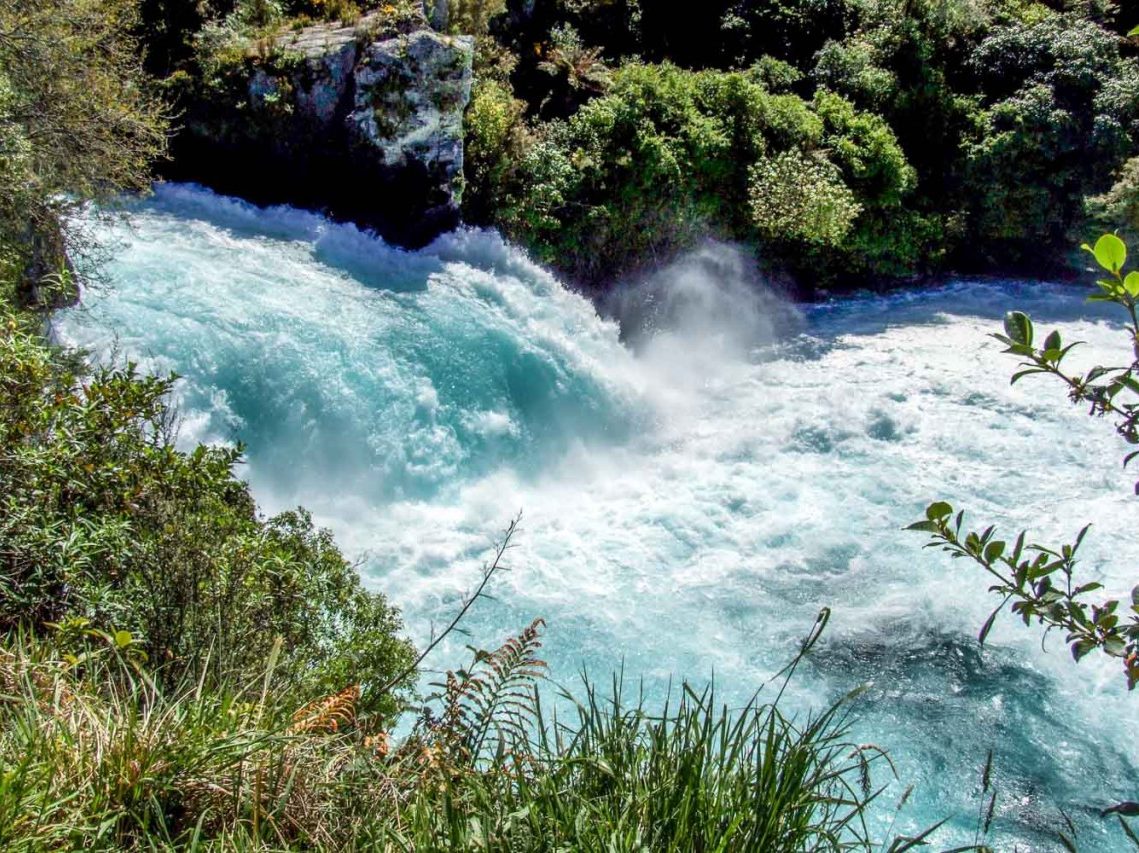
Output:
x=363 y=121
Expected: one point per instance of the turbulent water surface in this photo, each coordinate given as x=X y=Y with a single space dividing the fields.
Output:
x=694 y=485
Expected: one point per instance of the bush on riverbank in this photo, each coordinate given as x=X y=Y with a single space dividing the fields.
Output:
x=107 y=525
x=669 y=155
x=1000 y=121
x=96 y=754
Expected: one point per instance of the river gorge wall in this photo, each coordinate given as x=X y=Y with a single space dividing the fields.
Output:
x=364 y=121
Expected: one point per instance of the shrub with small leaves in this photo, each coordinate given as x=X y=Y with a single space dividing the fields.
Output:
x=102 y=518
x=797 y=196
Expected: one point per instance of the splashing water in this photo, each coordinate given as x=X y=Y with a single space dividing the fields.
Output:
x=694 y=489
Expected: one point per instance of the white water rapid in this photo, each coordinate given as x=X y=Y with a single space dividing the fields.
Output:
x=692 y=494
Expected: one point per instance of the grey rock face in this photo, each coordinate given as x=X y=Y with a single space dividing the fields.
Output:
x=409 y=100
x=365 y=121
x=330 y=55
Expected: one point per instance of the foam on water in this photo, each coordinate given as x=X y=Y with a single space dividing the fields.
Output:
x=693 y=493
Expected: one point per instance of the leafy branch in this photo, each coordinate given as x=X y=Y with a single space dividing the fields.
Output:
x=1039 y=583
x=1100 y=387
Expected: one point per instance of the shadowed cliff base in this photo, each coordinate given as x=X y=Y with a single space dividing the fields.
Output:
x=364 y=122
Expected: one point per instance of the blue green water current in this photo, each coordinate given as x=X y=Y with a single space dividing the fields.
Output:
x=701 y=466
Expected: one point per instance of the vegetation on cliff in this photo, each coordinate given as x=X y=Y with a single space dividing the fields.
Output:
x=936 y=134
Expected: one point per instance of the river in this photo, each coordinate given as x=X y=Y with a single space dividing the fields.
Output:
x=693 y=488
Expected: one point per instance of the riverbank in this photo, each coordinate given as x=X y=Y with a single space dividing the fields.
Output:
x=870 y=146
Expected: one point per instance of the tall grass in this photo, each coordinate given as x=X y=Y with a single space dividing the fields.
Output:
x=696 y=776
x=95 y=755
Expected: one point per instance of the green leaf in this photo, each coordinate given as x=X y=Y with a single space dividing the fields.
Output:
x=938 y=510
x=994 y=550
x=1053 y=339
x=1131 y=283
x=1020 y=374
x=1110 y=253
x=1018 y=327
x=1021 y=349
x=924 y=526
x=1128 y=382
x=123 y=639
x=988 y=626
x=1134 y=32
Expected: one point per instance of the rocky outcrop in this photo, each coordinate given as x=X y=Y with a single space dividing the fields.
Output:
x=47 y=278
x=410 y=93
x=364 y=121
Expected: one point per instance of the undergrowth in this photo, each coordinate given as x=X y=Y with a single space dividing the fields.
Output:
x=96 y=754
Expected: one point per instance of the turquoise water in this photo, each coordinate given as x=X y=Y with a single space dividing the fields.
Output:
x=693 y=489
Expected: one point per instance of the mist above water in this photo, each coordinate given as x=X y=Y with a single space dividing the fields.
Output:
x=712 y=298
x=697 y=479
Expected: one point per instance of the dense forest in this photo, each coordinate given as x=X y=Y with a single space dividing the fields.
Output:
x=178 y=671
x=859 y=140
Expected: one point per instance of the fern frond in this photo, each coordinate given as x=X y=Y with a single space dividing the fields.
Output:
x=329 y=714
x=487 y=707
x=501 y=701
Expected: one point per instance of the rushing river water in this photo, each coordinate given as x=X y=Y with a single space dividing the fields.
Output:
x=693 y=491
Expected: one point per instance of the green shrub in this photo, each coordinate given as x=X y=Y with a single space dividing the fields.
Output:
x=496 y=138
x=1060 y=109
x=797 y=197
x=577 y=72
x=1118 y=208
x=667 y=156
x=620 y=180
x=78 y=122
x=103 y=519
x=775 y=75
x=1002 y=109
x=1019 y=168
x=791 y=30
